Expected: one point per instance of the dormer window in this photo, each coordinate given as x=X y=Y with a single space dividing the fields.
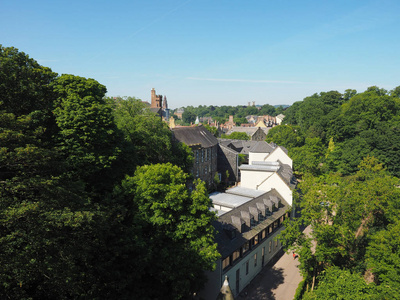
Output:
x=230 y=231
x=245 y=247
x=253 y=222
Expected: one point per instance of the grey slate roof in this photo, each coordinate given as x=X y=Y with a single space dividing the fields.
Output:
x=286 y=173
x=262 y=147
x=248 y=130
x=241 y=146
x=194 y=135
x=238 y=216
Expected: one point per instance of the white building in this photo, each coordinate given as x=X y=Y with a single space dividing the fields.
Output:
x=250 y=217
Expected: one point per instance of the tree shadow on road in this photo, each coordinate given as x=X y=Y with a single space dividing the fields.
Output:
x=262 y=286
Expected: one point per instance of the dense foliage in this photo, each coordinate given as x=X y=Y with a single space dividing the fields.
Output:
x=74 y=215
x=345 y=148
x=333 y=132
x=222 y=113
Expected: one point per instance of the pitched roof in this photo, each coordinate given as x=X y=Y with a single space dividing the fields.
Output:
x=244 y=147
x=262 y=147
x=226 y=245
x=286 y=173
x=248 y=130
x=194 y=135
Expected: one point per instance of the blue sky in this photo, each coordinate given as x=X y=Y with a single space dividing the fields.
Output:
x=220 y=52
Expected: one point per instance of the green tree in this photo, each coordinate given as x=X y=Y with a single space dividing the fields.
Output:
x=49 y=231
x=342 y=284
x=212 y=129
x=188 y=117
x=267 y=109
x=344 y=213
x=287 y=136
x=236 y=136
x=148 y=140
x=177 y=232
x=383 y=258
x=87 y=132
x=24 y=84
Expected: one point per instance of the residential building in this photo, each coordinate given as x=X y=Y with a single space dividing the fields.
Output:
x=279 y=119
x=229 y=152
x=255 y=133
x=204 y=146
x=250 y=217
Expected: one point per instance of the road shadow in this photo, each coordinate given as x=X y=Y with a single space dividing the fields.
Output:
x=262 y=286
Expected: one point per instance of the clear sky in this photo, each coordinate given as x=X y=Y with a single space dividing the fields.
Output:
x=212 y=52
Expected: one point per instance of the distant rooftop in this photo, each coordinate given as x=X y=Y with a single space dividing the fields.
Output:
x=194 y=135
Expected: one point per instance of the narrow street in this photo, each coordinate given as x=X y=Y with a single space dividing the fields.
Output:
x=276 y=282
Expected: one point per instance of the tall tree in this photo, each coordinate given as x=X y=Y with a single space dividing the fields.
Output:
x=87 y=132
x=344 y=213
x=24 y=84
x=177 y=231
x=148 y=140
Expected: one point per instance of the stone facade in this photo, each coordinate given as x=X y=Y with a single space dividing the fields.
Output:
x=228 y=160
x=156 y=100
x=204 y=146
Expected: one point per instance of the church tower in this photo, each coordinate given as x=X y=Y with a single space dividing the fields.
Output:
x=156 y=100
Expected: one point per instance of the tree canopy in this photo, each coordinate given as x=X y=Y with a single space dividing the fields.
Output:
x=74 y=220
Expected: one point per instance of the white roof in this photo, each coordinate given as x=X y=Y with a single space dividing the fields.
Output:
x=259 y=167
x=228 y=200
x=246 y=192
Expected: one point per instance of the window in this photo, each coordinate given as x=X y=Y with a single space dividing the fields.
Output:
x=255 y=240
x=263 y=234
x=270 y=229
x=235 y=255
x=255 y=260
x=197 y=156
x=225 y=263
x=276 y=224
x=245 y=247
x=247 y=267
x=276 y=243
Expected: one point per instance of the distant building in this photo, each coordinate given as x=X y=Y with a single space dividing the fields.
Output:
x=179 y=113
x=254 y=133
x=159 y=106
x=279 y=119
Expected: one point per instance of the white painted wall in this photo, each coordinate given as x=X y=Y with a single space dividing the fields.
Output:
x=257 y=157
x=251 y=178
x=253 y=270
x=276 y=182
x=279 y=154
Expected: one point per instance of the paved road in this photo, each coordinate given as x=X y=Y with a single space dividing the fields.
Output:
x=277 y=282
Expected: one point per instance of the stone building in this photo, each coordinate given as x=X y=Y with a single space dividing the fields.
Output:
x=250 y=218
x=204 y=146
x=254 y=133
x=159 y=105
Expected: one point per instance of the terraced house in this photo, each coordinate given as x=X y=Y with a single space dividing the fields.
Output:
x=250 y=217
